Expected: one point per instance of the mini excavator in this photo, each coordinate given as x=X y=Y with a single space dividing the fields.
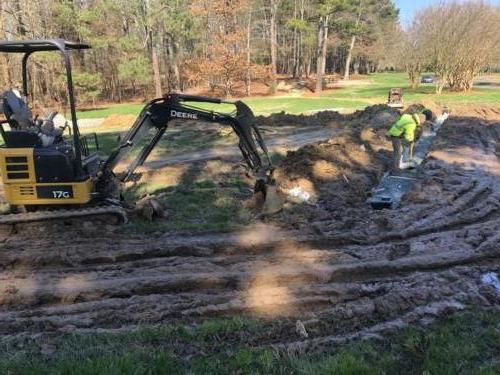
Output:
x=53 y=175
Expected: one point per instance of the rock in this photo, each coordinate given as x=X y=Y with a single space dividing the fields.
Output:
x=149 y=208
x=301 y=330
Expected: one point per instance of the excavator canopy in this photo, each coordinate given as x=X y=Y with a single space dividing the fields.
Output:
x=29 y=46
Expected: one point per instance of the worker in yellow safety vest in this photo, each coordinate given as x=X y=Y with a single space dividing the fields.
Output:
x=403 y=133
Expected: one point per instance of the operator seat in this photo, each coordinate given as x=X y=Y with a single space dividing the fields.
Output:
x=16 y=111
x=21 y=120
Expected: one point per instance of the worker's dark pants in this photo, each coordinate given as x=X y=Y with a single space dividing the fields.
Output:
x=398 y=148
x=397 y=151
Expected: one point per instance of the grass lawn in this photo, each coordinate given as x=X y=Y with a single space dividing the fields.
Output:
x=377 y=92
x=347 y=98
x=194 y=206
x=466 y=343
x=260 y=106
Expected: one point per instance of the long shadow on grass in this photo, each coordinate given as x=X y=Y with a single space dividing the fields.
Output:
x=198 y=201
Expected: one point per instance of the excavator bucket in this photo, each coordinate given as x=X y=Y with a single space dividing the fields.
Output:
x=274 y=201
x=268 y=199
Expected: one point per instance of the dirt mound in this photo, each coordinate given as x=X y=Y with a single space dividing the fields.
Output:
x=484 y=112
x=322 y=118
x=377 y=116
x=474 y=132
x=335 y=173
x=340 y=173
x=424 y=104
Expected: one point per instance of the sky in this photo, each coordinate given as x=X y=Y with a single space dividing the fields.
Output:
x=408 y=7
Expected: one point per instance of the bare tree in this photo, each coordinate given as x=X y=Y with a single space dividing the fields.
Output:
x=412 y=54
x=459 y=38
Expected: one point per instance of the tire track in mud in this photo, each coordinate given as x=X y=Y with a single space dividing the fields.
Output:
x=341 y=285
x=276 y=283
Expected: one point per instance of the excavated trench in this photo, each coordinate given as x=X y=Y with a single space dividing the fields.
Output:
x=339 y=267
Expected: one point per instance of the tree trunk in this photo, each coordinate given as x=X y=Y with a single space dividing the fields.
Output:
x=351 y=45
x=322 y=49
x=274 y=41
x=156 y=70
x=324 y=46
x=356 y=66
x=172 y=62
x=301 y=54
x=441 y=83
x=248 y=80
x=349 y=57
x=295 y=44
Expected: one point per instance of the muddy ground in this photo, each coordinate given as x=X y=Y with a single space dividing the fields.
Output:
x=333 y=263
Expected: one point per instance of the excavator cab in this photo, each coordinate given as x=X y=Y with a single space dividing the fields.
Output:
x=38 y=166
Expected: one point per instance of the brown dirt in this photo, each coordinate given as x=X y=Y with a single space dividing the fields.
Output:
x=341 y=268
x=339 y=172
x=485 y=112
x=239 y=90
x=124 y=121
x=424 y=104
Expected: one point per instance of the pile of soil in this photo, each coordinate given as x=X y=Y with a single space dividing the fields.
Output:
x=339 y=173
x=377 y=116
x=424 y=104
x=334 y=173
x=322 y=118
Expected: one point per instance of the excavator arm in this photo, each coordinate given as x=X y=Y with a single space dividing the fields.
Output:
x=157 y=114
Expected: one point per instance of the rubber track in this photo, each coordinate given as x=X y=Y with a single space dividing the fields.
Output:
x=31 y=217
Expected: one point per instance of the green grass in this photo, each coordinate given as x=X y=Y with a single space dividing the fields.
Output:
x=113 y=109
x=184 y=141
x=195 y=205
x=351 y=97
x=466 y=343
x=260 y=106
x=377 y=92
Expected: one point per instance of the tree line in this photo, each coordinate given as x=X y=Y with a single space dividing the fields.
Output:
x=154 y=46
x=148 y=47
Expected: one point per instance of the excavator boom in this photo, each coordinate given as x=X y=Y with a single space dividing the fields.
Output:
x=155 y=118
x=152 y=122
x=159 y=112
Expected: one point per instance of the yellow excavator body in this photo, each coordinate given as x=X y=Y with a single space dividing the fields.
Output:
x=18 y=172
